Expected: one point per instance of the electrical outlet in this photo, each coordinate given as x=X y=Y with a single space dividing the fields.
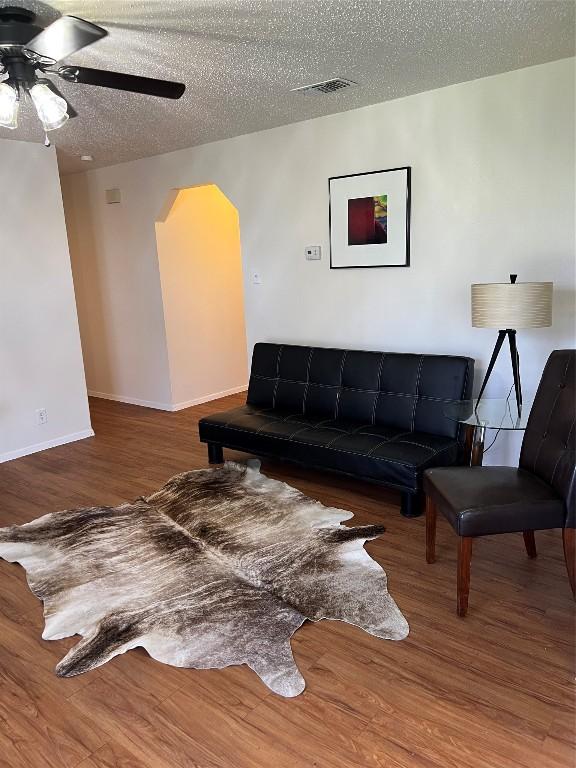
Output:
x=256 y=278
x=313 y=252
x=41 y=416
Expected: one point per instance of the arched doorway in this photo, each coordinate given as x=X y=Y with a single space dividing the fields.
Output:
x=200 y=263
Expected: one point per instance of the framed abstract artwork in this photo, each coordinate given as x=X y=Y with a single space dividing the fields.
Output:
x=370 y=219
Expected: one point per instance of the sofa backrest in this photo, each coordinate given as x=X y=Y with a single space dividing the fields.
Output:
x=406 y=391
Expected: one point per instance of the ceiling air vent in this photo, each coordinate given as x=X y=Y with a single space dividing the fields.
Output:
x=327 y=86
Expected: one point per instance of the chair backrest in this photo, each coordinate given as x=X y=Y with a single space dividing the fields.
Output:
x=405 y=391
x=549 y=445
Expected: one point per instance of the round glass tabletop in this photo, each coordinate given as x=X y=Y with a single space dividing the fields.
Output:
x=492 y=413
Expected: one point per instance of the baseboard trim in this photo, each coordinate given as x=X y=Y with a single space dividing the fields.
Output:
x=35 y=448
x=208 y=398
x=130 y=400
x=168 y=406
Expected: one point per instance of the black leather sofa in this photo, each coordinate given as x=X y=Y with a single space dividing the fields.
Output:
x=375 y=415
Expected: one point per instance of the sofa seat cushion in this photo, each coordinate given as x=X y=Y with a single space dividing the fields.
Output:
x=479 y=501
x=383 y=454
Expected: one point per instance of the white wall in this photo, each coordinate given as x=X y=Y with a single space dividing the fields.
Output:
x=492 y=193
x=40 y=354
x=117 y=283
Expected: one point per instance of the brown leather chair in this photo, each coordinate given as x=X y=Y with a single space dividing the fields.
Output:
x=539 y=494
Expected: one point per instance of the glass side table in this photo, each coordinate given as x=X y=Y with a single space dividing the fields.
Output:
x=487 y=414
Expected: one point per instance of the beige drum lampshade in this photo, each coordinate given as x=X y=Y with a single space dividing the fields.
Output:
x=511 y=305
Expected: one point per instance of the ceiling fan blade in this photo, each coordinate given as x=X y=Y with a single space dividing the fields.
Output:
x=65 y=36
x=166 y=89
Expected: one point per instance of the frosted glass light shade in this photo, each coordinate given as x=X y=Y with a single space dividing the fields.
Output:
x=8 y=106
x=511 y=305
x=51 y=108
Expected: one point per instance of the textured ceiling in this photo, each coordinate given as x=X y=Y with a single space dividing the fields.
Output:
x=240 y=58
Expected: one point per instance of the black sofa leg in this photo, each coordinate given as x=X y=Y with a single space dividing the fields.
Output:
x=215 y=453
x=412 y=504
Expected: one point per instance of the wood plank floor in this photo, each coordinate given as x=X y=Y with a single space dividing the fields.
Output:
x=494 y=690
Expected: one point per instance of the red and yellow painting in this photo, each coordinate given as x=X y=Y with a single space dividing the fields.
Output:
x=368 y=220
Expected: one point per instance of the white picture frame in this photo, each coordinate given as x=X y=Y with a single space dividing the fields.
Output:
x=370 y=219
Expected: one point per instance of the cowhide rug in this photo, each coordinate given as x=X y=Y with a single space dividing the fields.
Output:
x=219 y=567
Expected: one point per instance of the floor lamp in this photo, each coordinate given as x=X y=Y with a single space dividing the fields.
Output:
x=507 y=307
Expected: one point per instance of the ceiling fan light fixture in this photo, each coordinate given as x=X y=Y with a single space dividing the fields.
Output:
x=28 y=51
x=9 y=105
x=51 y=108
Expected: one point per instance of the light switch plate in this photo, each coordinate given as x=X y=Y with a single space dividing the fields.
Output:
x=113 y=196
x=313 y=252
x=256 y=278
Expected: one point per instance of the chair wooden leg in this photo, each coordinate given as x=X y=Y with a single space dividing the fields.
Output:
x=463 y=581
x=530 y=543
x=569 y=541
x=430 y=530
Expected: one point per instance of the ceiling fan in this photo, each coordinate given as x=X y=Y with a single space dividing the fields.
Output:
x=29 y=52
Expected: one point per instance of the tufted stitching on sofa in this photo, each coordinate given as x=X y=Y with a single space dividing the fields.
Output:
x=340 y=384
x=358 y=389
x=379 y=383
x=420 y=364
x=305 y=393
x=277 y=377
x=353 y=453
x=465 y=394
x=230 y=425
